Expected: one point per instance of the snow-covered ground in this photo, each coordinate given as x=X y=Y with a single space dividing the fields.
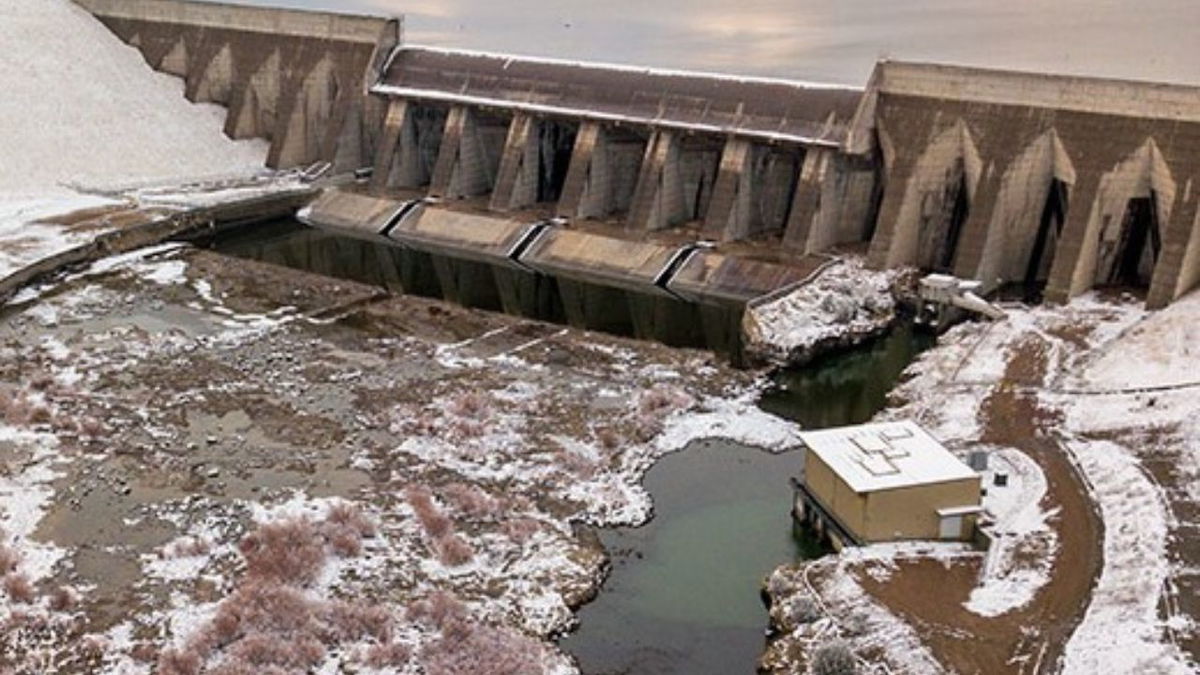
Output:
x=843 y=304
x=1117 y=384
x=82 y=113
x=82 y=109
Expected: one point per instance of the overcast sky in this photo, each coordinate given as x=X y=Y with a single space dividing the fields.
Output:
x=829 y=40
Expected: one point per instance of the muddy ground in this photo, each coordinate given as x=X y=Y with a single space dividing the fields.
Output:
x=161 y=406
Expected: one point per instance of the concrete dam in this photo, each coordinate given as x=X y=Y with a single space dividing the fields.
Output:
x=663 y=203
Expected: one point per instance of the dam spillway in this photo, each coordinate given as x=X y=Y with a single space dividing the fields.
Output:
x=649 y=188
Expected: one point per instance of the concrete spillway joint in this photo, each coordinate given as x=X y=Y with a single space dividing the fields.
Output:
x=407 y=209
x=676 y=262
x=528 y=237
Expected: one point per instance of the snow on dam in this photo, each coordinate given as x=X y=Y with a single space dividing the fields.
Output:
x=1060 y=183
x=297 y=79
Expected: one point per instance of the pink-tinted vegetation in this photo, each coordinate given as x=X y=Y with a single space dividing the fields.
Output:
x=521 y=530
x=436 y=523
x=609 y=438
x=63 y=598
x=91 y=427
x=271 y=623
x=345 y=527
x=453 y=550
x=469 y=647
x=471 y=501
x=655 y=404
x=187 y=547
x=577 y=464
x=470 y=405
x=19 y=588
x=437 y=610
x=289 y=551
x=9 y=558
x=390 y=655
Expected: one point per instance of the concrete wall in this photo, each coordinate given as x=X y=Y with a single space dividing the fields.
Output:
x=298 y=79
x=1007 y=138
x=848 y=506
x=911 y=512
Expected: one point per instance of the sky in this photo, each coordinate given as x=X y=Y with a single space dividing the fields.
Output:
x=824 y=40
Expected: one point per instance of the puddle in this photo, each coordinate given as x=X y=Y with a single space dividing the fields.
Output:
x=683 y=596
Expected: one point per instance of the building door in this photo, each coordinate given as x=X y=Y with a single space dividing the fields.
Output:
x=950 y=527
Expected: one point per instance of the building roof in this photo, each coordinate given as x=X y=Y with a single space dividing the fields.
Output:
x=772 y=109
x=872 y=457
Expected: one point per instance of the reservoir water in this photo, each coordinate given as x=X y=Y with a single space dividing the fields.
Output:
x=683 y=595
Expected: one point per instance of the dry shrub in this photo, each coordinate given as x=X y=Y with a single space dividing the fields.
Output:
x=453 y=550
x=655 y=404
x=608 y=438
x=186 y=547
x=577 y=464
x=353 y=620
x=41 y=382
x=40 y=414
x=478 y=648
x=437 y=610
x=17 y=409
x=257 y=606
x=293 y=653
x=521 y=530
x=19 y=589
x=349 y=515
x=63 y=598
x=470 y=500
x=9 y=559
x=471 y=405
x=345 y=527
x=390 y=655
x=288 y=551
x=93 y=647
x=662 y=400
x=65 y=423
x=91 y=427
x=178 y=662
x=436 y=524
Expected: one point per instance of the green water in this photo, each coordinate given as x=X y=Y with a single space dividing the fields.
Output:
x=683 y=595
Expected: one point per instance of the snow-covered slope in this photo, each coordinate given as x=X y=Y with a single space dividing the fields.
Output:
x=81 y=108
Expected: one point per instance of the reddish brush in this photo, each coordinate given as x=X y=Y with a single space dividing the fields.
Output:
x=19 y=589
x=390 y=655
x=351 y=621
x=91 y=427
x=187 y=547
x=178 y=662
x=608 y=438
x=521 y=530
x=470 y=405
x=477 y=648
x=63 y=598
x=453 y=550
x=289 y=551
x=436 y=523
x=9 y=559
x=349 y=515
x=470 y=501
x=437 y=610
